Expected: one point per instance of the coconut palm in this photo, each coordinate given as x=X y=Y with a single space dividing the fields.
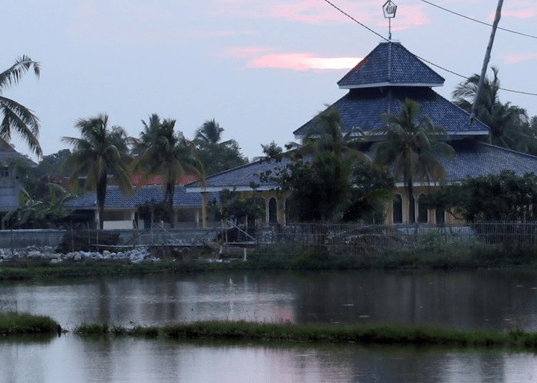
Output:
x=332 y=155
x=166 y=153
x=215 y=155
x=99 y=152
x=506 y=121
x=17 y=117
x=411 y=147
x=210 y=132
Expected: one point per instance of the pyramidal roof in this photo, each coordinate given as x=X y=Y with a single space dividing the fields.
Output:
x=382 y=81
x=390 y=64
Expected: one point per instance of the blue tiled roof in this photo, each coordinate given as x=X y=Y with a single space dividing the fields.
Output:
x=390 y=64
x=363 y=108
x=475 y=159
x=241 y=177
x=116 y=199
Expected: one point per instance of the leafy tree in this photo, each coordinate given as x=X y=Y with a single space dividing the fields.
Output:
x=216 y=156
x=17 y=117
x=501 y=197
x=318 y=172
x=236 y=207
x=38 y=214
x=411 y=148
x=52 y=164
x=508 y=123
x=101 y=151
x=373 y=188
x=166 y=153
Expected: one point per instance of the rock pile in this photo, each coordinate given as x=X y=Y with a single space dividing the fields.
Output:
x=132 y=255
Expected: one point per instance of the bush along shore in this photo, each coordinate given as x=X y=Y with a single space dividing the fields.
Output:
x=331 y=333
x=12 y=323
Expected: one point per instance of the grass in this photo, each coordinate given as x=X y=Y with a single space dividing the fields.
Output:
x=423 y=256
x=13 y=323
x=326 y=333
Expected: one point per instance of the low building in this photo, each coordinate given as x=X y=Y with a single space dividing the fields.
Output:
x=10 y=184
x=123 y=211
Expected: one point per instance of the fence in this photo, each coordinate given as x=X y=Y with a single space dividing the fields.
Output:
x=292 y=239
x=74 y=240
x=370 y=239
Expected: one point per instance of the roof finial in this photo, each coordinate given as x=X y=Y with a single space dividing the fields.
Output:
x=389 y=8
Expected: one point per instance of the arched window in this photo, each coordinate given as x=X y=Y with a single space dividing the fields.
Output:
x=273 y=210
x=423 y=213
x=440 y=214
x=398 y=209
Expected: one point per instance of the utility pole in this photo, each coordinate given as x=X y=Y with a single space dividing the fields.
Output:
x=487 y=59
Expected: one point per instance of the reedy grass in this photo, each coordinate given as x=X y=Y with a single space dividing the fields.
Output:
x=13 y=323
x=324 y=333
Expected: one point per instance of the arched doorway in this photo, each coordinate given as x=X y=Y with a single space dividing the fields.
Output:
x=273 y=210
x=397 y=209
x=423 y=213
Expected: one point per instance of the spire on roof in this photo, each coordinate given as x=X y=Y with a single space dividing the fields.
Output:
x=389 y=8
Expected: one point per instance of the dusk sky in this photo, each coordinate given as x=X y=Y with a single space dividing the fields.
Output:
x=261 y=68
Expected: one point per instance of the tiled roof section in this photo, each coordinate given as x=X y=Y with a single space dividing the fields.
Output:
x=116 y=199
x=475 y=159
x=7 y=154
x=363 y=108
x=242 y=176
x=390 y=64
x=140 y=179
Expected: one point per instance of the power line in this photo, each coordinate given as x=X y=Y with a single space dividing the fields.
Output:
x=428 y=62
x=478 y=21
x=356 y=21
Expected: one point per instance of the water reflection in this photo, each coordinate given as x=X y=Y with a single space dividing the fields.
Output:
x=462 y=299
x=70 y=359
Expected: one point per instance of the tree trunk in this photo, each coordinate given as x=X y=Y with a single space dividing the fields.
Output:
x=170 y=189
x=101 y=199
x=411 y=202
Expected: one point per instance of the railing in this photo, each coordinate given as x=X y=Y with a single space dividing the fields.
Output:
x=293 y=238
x=370 y=239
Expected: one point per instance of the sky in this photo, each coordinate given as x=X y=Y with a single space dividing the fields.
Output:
x=260 y=68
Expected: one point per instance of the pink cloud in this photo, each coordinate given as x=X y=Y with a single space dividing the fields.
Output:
x=515 y=58
x=302 y=62
x=520 y=14
x=517 y=9
x=368 y=12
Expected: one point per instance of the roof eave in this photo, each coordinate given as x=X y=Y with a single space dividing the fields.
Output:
x=214 y=189
x=385 y=84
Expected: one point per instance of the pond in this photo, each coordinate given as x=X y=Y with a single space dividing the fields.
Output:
x=493 y=299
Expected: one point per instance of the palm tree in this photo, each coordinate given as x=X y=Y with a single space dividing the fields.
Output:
x=101 y=151
x=16 y=116
x=167 y=153
x=209 y=132
x=506 y=121
x=333 y=155
x=411 y=148
x=216 y=156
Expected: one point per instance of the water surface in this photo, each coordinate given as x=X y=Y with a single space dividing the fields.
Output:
x=463 y=299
